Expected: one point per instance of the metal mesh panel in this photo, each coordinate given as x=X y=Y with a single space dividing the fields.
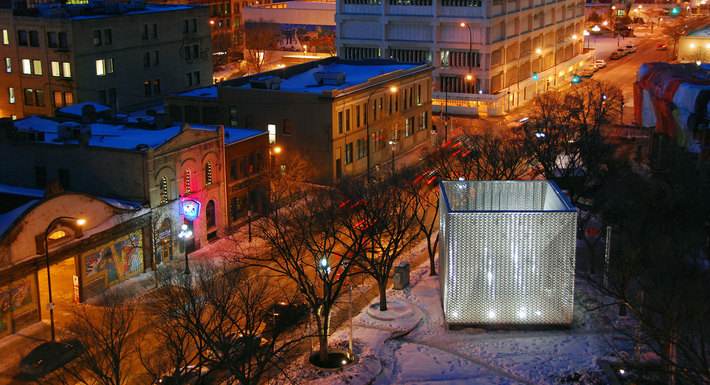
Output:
x=507 y=267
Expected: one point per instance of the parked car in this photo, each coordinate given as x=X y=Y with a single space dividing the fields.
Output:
x=283 y=315
x=599 y=63
x=630 y=48
x=618 y=54
x=585 y=72
x=662 y=47
x=49 y=356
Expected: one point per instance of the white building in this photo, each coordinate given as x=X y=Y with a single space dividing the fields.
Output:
x=485 y=51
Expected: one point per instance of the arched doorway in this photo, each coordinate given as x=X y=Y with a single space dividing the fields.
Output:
x=211 y=221
x=164 y=242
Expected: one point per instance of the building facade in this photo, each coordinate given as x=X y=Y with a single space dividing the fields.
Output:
x=485 y=51
x=345 y=118
x=176 y=171
x=124 y=55
x=112 y=245
x=695 y=47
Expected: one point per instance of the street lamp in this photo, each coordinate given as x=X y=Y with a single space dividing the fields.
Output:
x=185 y=234
x=393 y=144
x=78 y=222
x=392 y=90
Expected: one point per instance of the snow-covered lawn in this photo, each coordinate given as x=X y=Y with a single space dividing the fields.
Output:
x=419 y=349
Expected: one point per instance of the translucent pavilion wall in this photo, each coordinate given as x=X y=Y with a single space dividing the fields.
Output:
x=507 y=253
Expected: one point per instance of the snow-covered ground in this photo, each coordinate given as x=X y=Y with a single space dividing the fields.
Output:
x=418 y=349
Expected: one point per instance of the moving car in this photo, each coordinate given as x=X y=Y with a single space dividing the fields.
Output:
x=599 y=63
x=662 y=47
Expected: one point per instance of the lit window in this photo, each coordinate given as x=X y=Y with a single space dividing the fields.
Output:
x=66 y=67
x=56 y=69
x=8 y=65
x=188 y=181
x=272 y=133
x=68 y=98
x=11 y=95
x=37 y=67
x=104 y=67
x=5 y=37
x=163 y=190
x=208 y=173
x=59 y=234
x=26 y=66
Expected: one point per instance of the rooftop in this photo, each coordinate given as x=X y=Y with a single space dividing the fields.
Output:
x=99 y=9
x=297 y=5
x=705 y=32
x=504 y=196
x=234 y=135
x=204 y=92
x=328 y=76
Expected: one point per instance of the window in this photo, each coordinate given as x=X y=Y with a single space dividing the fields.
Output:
x=64 y=178
x=409 y=126
x=22 y=38
x=348 y=153
x=194 y=25
x=108 y=37
x=34 y=39
x=11 y=95
x=287 y=127
x=68 y=98
x=357 y=116
x=156 y=58
x=146 y=59
x=233 y=169
x=155 y=31
x=97 y=38
x=163 y=190
x=186 y=26
x=52 y=40
x=419 y=94
x=8 y=65
x=144 y=35
x=5 y=37
x=271 y=128
x=63 y=40
x=189 y=79
x=39 y=98
x=29 y=96
x=56 y=69
x=40 y=176
x=57 y=99
x=27 y=66
x=361 y=148
x=104 y=67
x=424 y=121
x=236 y=207
x=208 y=173
x=340 y=122
x=37 y=67
x=66 y=68
x=147 y=88
x=188 y=52
x=188 y=182
x=156 y=87
x=461 y=3
x=196 y=77
x=210 y=214
x=347 y=120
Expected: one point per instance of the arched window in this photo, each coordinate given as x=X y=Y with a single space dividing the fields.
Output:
x=211 y=220
x=188 y=181
x=164 y=190
x=208 y=173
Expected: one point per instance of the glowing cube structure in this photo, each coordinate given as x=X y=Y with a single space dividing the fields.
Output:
x=507 y=253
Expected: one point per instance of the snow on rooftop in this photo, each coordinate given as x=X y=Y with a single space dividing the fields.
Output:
x=8 y=219
x=204 y=92
x=21 y=191
x=75 y=109
x=233 y=135
x=148 y=9
x=354 y=74
x=705 y=32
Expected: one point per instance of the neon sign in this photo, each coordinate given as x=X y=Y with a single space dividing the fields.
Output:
x=190 y=209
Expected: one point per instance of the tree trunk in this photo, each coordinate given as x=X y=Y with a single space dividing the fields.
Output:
x=323 y=346
x=383 y=295
x=432 y=265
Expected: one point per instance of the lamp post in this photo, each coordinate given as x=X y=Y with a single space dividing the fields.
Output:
x=469 y=59
x=56 y=221
x=393 y=144
x=392 y=90
x=185 y=234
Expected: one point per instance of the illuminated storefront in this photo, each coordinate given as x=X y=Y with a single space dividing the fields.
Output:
x=507 y=253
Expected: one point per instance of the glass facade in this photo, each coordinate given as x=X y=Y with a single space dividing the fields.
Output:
x=507 y=254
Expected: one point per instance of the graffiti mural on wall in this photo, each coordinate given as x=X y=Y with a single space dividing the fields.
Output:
x=16 y=300
x=297 y=37
x=116 y=261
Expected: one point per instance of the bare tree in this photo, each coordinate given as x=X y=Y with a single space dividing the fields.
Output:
x=217 y=326
x=312 y=249
x=107 y=334
x=426 y=191
x=681 y=26
x=261 y=39
x=386 y=215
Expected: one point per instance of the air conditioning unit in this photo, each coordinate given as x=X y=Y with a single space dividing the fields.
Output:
x=329 y=78
x=266 y=83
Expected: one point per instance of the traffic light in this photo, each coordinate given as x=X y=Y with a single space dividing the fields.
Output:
x=675 y=11
x=576 y=79
x=535 y=76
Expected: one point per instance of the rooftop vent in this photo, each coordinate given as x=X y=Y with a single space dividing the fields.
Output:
x=266 y=83
x=73 y=131
x=329 y=78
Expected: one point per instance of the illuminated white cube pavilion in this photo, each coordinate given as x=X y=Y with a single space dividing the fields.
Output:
x=507 y=253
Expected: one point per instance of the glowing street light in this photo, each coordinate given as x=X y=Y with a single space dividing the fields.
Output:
x=277 y=150
x=393 y=89
x=538 y=51
x=605 y=23
x=185 y=234
x=596 y=28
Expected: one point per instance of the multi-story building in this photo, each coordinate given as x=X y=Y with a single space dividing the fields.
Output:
x=177 y=171
x=490 y=55
x=121 y=54
x=345 y=118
